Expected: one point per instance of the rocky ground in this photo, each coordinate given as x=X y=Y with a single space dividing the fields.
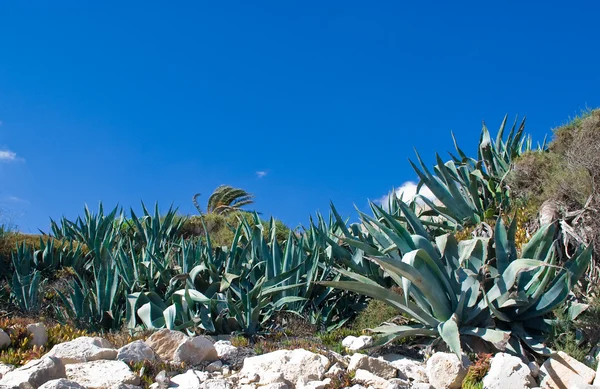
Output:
x=171 y=359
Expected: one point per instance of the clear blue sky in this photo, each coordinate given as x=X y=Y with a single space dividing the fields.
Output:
x=155 y=101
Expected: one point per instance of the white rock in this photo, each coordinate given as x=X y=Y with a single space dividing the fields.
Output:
x=315 y=384
x=4 y=339
x=225 y=349
x=202 y=375
x=5 y=368
x=356 y=343
x=421 y=385
x=368 y=378
x=250 y=378
x=276 y=385
x=398 y=383
x=334 y=370
x=271 y=377
x=101 y=374
x=137 y=351
x=177 y=347
x=83 y=349
x=597 y=379
x=215 y=366
x=293 y=364
x=408 y=369
x=446 y=371
x=187 y=380
x=126 y=386
x=563 y=371
x=34 y=373
x=376 y=366
x=61 y=383
x=39 y=334
x=215 y=384
x=508 y=371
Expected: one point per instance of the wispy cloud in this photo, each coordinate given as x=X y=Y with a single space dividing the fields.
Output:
x=8 y=156
x=407 y=192
x=261 y=174
x=16 y=199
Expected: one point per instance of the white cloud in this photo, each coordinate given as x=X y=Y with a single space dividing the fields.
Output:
x=407 y=192
x=7 y=155
x=261 y=174
x=16 y=199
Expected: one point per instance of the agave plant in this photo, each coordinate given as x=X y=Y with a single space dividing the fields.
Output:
x=468 y=190
x=459 y=290
x=26 y=281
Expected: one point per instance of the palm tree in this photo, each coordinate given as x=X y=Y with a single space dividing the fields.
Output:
x=225 y=199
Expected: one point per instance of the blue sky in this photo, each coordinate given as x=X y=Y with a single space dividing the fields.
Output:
x=128 y=101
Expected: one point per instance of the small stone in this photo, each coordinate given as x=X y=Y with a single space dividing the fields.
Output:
x=408 y=369
x=61 y=383
x=137 y=351
x=376 y=366
x=162 y=379
x=316 y=384
x=334 y=371
x=356 y=343
x=39 y=334
x=215 y=366
x=276 y=385
x=422 y=385
x=4 y=339
x=215 y=384
x=534 y=368
x=224 y=348
x=446 y=371
x=398 y=383
x=126 y=386
x=177 y=347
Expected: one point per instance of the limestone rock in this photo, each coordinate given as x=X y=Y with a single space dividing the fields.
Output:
x=61 y=383
x=215 y=384
x=315 y=384
x=370 y=379
x=215 y=366
x=225 y=349
x=376 y=366
x=101 y=374
x=507 y=371
x=177 y=347
x=187 y=380
x=421 y=385
x=276 y=385
x=356 y=343
x=39 y=334
x=597 y=379
x=294 y=365
x=4 y=339
x=34 y=373
x=408 y=369
x=398 y=383
x=534 y=368
x=126 y=386
x=5 y=368
x=136 y=351
x=563 y=371
x=446 y=371
x=334 y=370
x=83 y=349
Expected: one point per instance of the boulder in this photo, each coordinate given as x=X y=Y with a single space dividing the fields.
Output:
x=356 y=343
x=61 y=383
x=562 y=371
x=508 y=371
x=376 y=366
x=136 y=351
x=83 y=349
x=101 y=374
x=446 y=371
x=293 y=365
x=216 y=366
x=39 y=334
x=408 y=369
x=4 y=339
x=34 y=373
x=175 y=346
